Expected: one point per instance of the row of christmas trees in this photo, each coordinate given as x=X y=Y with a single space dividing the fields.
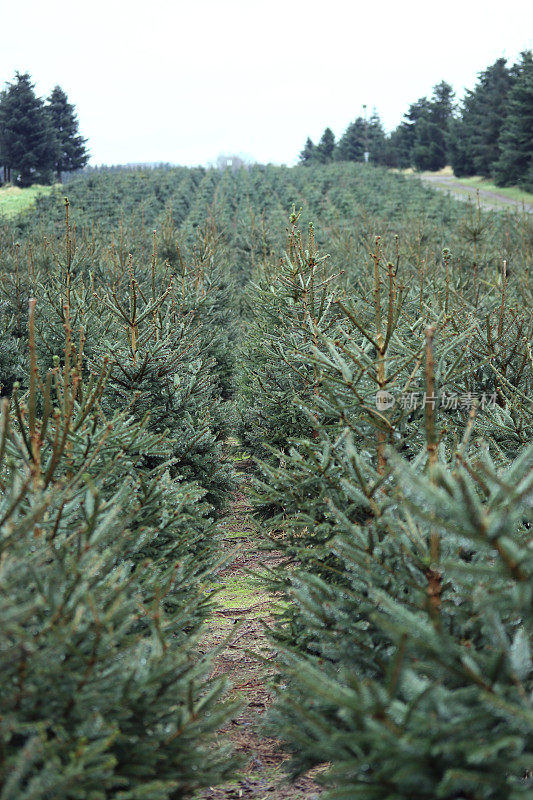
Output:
x=489 y=134
x=112 y=475
x=39 y=140
x=392 y=415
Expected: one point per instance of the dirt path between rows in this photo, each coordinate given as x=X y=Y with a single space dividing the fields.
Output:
x=491 y=200
x=244 y=601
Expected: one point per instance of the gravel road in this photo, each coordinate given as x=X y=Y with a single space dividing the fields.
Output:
x=488 y=199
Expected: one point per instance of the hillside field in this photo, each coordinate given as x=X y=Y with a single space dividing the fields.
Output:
x=267 y=478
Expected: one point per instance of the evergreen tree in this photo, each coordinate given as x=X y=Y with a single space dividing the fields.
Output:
x=418 y=679
x=387 y=584
x=309 y=153
x=103 y=559
x=400 y=146
x=274 y=380
x=488 y=118
x=147 y=324
x=515 y=163
x=430 y=151
x=352 y=144
x=405 y=136
x=72 y=154
x=475 y=136
x=442 y=104
x=376 y=139
x=28 y=143
x=460 y=144
x=326 y=146
x=421 y=139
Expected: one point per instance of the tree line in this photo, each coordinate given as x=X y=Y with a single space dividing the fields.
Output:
x=39 y=139
x=490 y=133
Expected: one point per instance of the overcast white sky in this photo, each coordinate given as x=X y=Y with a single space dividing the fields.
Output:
x=186 y=81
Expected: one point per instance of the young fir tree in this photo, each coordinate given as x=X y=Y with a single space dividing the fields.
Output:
x=365 y=351
x=72 y=153
x=103 y=693
x=374 y=619
x=375 y=636
x=211 y=296
x=150 y=325
x=418 y=682
x=290 y=296
x=28 y=142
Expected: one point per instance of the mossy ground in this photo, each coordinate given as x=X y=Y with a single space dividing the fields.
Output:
x=243 y=610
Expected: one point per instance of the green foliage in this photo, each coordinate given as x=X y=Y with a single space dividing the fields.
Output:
x=429 y=122
x=515 y=164
x=390 y=639
x=174 y=306
x=160 y=330
x=274 y=382
x=378 y=147
x=353 y=142
x=308 y=154
x=476 y=135
x=408 y=698
x=103 y=557
x=28 y=144
x=326 y=146
x=116 y=451
x=490 y=135
x=72 y=153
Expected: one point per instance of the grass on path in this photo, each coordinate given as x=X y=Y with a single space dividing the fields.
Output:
x=243 y=605
x=491 y=194
x=512 y=192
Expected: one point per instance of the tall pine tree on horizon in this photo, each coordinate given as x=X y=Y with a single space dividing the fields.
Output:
x=326 y=146
x=72 y=153
x=28 y=144
x=308 y=154
x=475 y=135
x=351 y=145
x=430 y=147
x=515 y=164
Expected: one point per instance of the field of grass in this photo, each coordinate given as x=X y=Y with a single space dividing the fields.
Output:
x=14 y=200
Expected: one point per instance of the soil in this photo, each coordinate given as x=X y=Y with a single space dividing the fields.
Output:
x=243 y=601
x=492 y=200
